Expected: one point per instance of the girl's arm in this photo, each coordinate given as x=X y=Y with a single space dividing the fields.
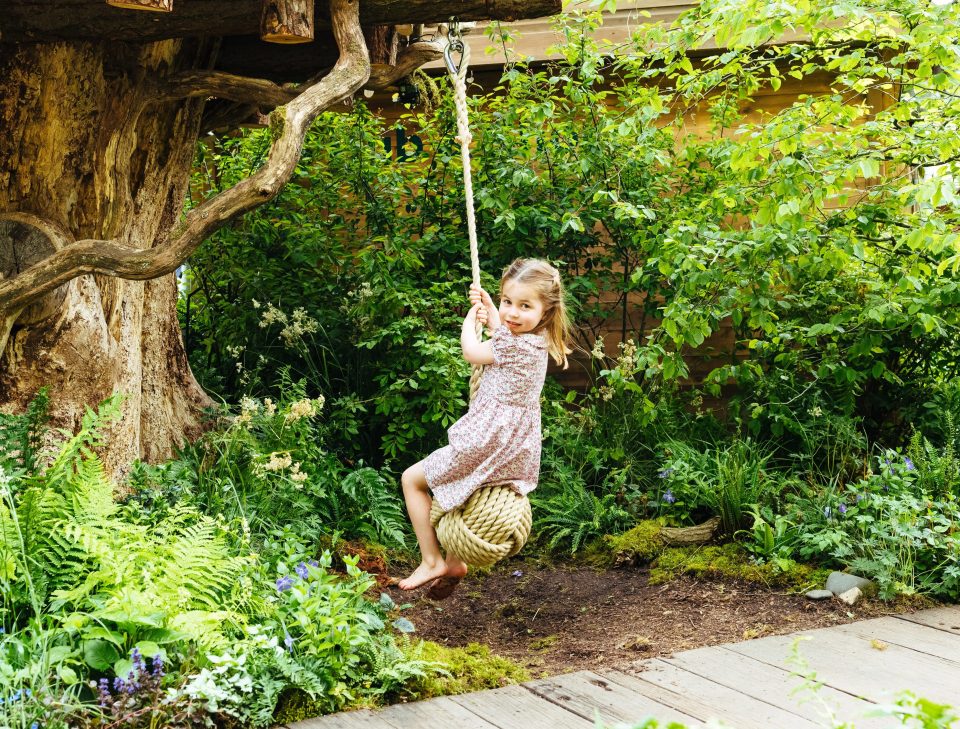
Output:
x=474 y=351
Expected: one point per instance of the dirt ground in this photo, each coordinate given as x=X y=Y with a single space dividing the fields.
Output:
x=556 y=619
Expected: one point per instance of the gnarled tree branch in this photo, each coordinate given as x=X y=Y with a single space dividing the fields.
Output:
x=266 y=94
x=260 y=92
x=408 y=60
x=289 y=123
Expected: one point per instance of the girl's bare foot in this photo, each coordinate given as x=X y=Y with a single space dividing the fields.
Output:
x=422 y=575
x=443 y=587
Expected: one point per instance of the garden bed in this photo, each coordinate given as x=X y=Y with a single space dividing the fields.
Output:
x=556 y=619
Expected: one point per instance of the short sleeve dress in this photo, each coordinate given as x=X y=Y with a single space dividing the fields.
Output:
x=498 y=440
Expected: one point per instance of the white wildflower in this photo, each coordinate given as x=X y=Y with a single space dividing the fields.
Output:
x=271 y=315
x=301 y=409
x=297 y=476
x=269 y=406
x=279 y=461
x=300 y=324
x=598 y=351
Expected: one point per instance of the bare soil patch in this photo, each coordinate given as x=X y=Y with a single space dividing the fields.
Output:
x=557 y=619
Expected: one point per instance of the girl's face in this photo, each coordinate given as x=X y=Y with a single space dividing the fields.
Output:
x=520 y=307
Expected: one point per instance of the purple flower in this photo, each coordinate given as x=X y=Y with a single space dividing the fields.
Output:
x=118 y=684
x=668 y=497
x=302 y=571
x=518 y=573
x=842 y=508
x=103 y=690
x=158 y=666
x=908 y=463
x=665 y=472
x=284 y=583
x=137 y=659
x=313 y=563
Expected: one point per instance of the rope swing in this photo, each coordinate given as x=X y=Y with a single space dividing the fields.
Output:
x=495 y=521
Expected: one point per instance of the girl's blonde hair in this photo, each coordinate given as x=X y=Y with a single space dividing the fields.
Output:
x=545 y=280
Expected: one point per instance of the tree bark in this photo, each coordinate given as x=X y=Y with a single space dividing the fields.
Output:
x=103 y=160
x=157 y=6
x=79 y=152
x=287 y=21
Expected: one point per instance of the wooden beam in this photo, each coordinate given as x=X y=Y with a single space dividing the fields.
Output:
x=287 y=21
x=94 y=20
x=157 y=6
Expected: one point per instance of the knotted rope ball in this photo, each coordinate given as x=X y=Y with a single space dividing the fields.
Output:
x=493 y=524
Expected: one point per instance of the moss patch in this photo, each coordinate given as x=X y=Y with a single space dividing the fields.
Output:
x=473 y=668
x=296 y=705
x=640 y=544
x=731 y=561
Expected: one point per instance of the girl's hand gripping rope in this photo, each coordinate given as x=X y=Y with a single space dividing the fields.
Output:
x=492 y=316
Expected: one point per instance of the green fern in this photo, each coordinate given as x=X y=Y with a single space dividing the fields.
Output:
x=20 y=434
x=84 y=557
x=577 y=516
x=937 y=469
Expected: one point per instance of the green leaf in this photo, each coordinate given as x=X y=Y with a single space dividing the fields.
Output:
x=403 y=625
x=100 y=654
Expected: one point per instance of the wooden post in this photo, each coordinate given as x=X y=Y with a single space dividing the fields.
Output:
x=158 y=6
x=287 y=21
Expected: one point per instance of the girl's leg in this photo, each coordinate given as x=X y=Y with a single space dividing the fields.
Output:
x=417 y=495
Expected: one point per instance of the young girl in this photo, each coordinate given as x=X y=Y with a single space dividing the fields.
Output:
x=498 y=440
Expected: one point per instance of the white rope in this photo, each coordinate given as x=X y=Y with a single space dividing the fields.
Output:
x=457 y=79
x=465 y=138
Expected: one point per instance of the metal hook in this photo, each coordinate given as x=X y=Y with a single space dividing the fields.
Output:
x=454 y=45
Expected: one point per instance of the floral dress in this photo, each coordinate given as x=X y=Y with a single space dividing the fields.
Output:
x=498 y=440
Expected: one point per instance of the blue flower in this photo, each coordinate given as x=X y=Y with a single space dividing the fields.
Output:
x=908 y=463
x=860 y=497
x=302 y=571
x=288 y=642
x=669 y=497
x=313 y=563
x=518 y=573
x=665 y=472
x=842 y=508
x=284 y=583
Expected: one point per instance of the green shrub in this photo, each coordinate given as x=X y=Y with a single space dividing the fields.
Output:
x=886 y=528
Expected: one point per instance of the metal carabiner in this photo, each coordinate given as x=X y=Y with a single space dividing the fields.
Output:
x=454 y=45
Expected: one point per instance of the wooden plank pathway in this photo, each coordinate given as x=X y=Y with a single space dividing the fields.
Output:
x=748 y=685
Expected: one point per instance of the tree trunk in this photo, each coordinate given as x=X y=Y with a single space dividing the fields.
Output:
x=86 y=148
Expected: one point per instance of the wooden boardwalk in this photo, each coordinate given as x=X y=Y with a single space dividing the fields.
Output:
x=748 y=685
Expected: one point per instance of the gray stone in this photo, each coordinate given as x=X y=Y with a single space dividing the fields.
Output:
x=819 y=595
x=840 y=582
x=850 y=597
